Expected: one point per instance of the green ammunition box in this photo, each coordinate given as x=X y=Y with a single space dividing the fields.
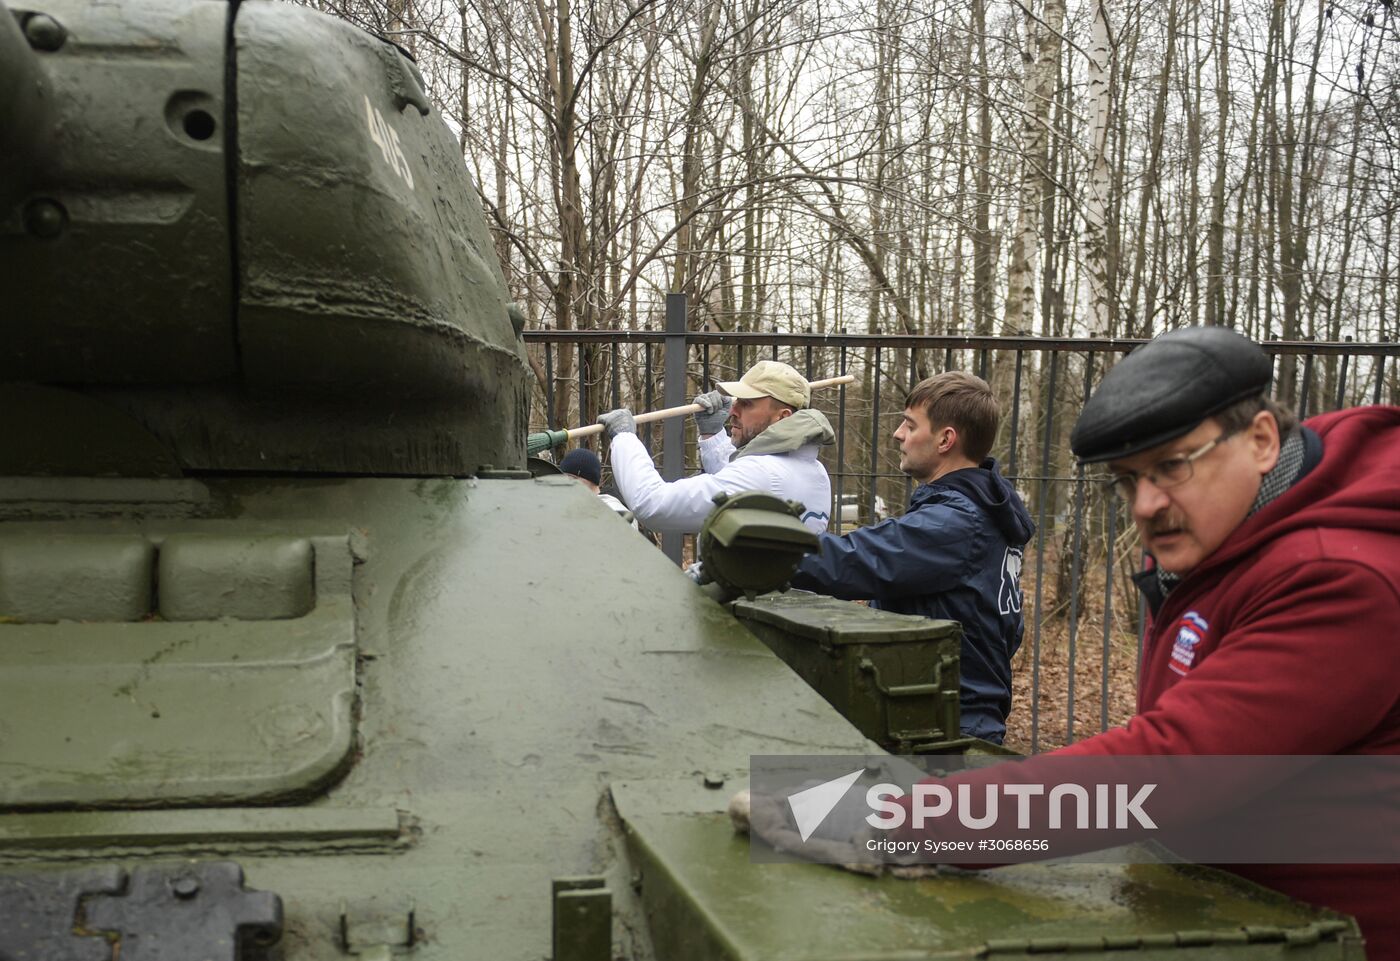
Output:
x=894 y=676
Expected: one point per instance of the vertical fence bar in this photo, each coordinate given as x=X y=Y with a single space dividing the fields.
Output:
x=1342 y=380
x=705 y=369
x=1141 y=621
x=548 y=384
x=1015 y=416
x=840 y=445
x=616 y=374
x=1075 y=565
x=808 y=372
x=1107 y=611
x=1040 y=555
x=649 y=389
x=1306 y=391
x=913 y=382
x=673 y=430
x=948 y=359
x=578 y=393
x=1380 y=379
x=775 y=348
x=739 y=362
x=982 y=363
x=875 y=435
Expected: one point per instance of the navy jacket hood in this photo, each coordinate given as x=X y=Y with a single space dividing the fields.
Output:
x=985 y=487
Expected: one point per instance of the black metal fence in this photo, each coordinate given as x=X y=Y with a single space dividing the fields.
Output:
x=1084 y=622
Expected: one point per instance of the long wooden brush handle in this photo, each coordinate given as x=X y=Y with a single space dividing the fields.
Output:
x=669 y=412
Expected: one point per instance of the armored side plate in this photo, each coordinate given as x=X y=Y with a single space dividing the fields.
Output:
x=209 y=668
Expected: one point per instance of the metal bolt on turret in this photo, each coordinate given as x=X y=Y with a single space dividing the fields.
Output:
x=45 y=218
x=44 y=32
x=184 y=888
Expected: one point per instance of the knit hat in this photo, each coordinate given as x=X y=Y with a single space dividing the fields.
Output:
x=582 y=462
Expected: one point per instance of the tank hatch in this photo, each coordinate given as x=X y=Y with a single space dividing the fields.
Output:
x=210 y=667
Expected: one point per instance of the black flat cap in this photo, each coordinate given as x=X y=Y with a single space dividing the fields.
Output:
x=1165 y=388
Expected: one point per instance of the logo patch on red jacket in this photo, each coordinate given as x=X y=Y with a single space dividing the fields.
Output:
x=1190 y=632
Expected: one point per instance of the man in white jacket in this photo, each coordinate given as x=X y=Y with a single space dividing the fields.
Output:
x=771 y=447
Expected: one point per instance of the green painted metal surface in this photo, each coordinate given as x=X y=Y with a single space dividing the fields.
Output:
x=708 y=901
x=242 y=246
x=751 y=543
x=894 y=677
x=23 y=96
x=705 y=898
x=395 y=286
x=126 y=75
x=507 y=678
x=503 y=682
x=184 y=677
x=261 y=598
x=201 y=831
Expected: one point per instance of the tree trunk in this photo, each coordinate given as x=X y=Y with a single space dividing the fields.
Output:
x=691 y=161
x=983 y=255
x=1095 y=238
x=1215 y=256
x=1041 y=77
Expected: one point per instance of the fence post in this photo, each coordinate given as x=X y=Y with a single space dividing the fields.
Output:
x=673 y=430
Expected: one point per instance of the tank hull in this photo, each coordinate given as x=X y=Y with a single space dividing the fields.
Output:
x=538 y=695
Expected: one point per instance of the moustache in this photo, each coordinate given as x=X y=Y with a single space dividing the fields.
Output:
x=1165 y=524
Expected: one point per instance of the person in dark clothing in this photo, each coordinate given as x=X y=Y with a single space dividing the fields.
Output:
x=955 y=554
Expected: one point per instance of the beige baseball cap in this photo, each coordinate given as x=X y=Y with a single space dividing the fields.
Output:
x=770 y=378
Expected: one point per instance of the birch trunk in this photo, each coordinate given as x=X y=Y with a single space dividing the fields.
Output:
x=1096 y=252
x=1036 y=183
x=982 y=254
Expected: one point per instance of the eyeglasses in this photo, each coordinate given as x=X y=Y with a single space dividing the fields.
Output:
x=1168 y=473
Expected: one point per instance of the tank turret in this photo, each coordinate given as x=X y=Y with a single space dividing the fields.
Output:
x=317 y=289
x=287 y=673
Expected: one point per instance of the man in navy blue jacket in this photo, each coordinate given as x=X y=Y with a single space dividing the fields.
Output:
x=956 y=553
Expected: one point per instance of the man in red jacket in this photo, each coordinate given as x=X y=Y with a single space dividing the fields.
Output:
x=1274 y=587
x=1274 y=590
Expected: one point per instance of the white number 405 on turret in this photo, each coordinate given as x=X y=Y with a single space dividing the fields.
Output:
x=388 y=140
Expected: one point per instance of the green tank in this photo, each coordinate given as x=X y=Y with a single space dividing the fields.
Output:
x=298 y=661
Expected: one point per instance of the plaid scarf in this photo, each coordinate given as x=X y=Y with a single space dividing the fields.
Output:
x=1271 y=488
